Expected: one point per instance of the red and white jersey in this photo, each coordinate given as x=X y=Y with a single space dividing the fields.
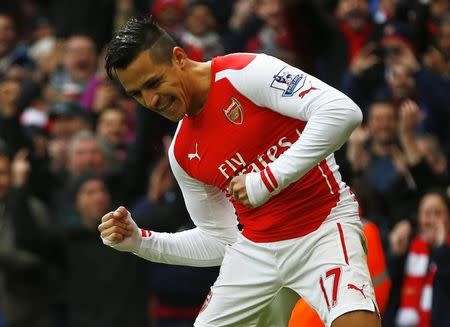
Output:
x=280 y=126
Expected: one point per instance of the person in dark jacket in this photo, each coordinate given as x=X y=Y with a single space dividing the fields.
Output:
x=24 y=294
x=95 y=279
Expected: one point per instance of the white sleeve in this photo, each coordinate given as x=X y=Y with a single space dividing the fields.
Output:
x=331 y=117
x=204 y=245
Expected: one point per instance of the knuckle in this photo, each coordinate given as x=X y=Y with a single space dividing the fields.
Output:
x=115 y=237
x=106 y=217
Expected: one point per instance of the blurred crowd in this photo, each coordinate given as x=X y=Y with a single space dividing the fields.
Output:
x=73 y=146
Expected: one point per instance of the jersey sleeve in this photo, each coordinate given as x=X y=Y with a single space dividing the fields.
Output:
x=331 y=117
x=204 y=245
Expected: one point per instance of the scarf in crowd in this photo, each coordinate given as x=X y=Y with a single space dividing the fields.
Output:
x=417 y=288
x=356 y=40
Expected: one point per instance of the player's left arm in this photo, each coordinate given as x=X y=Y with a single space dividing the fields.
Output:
x=331 y=117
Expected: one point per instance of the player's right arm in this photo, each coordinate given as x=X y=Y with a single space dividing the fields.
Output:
x=204 y=245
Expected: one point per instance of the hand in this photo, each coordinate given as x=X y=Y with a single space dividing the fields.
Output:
x=410 y=117
x=104 y=96
x=20 y=168
x=242 y=10
x=435 y=61
x=238 y=191
x=359 y=136
x=442 y=231
x=398 y=159
x=119 y=231
x=399 y=236
x=358 y=157
x=50 y=62
x=364 y=60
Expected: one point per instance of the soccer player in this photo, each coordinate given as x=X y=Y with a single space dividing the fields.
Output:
x=254 y=144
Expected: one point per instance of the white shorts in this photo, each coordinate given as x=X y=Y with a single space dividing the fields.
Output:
x=327 y=268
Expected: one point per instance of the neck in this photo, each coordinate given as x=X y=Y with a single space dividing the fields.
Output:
x=199 y=82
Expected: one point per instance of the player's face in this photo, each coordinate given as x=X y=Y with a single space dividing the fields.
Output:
x=158 y=87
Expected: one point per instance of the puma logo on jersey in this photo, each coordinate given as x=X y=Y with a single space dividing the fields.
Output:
x=195 y=154
x=356 y=288
x=305 y=92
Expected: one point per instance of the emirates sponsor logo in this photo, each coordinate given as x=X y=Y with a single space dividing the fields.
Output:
x=234 y=112
x=237 y=165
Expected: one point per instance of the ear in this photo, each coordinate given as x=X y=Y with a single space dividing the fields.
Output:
x=179 y=57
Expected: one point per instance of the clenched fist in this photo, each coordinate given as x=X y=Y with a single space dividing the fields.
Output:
x=237 y=190
x=119 y=231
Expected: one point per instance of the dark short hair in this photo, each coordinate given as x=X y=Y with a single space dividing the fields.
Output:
x=138 y=35
x=77 y=183
x=441 y=193
x=69 y=109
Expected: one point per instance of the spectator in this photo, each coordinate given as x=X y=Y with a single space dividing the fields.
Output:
x=392 y=171
x=201 y=39
x=43 y=40
x=12 y=54
x=418 y=295
x=430 y=149
x=404 y=77
x=429 y=15
x=24 y=296
x=10 y=130
x=67 y=119
x=274 y=37
x=170 y=14
x=365 y=78
x=90 y=270
x=85 y=154
x=78 y=67
x=243 y=25
x=347 y=33
x=100 y=93
x=436 y=57
x=112 y=130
